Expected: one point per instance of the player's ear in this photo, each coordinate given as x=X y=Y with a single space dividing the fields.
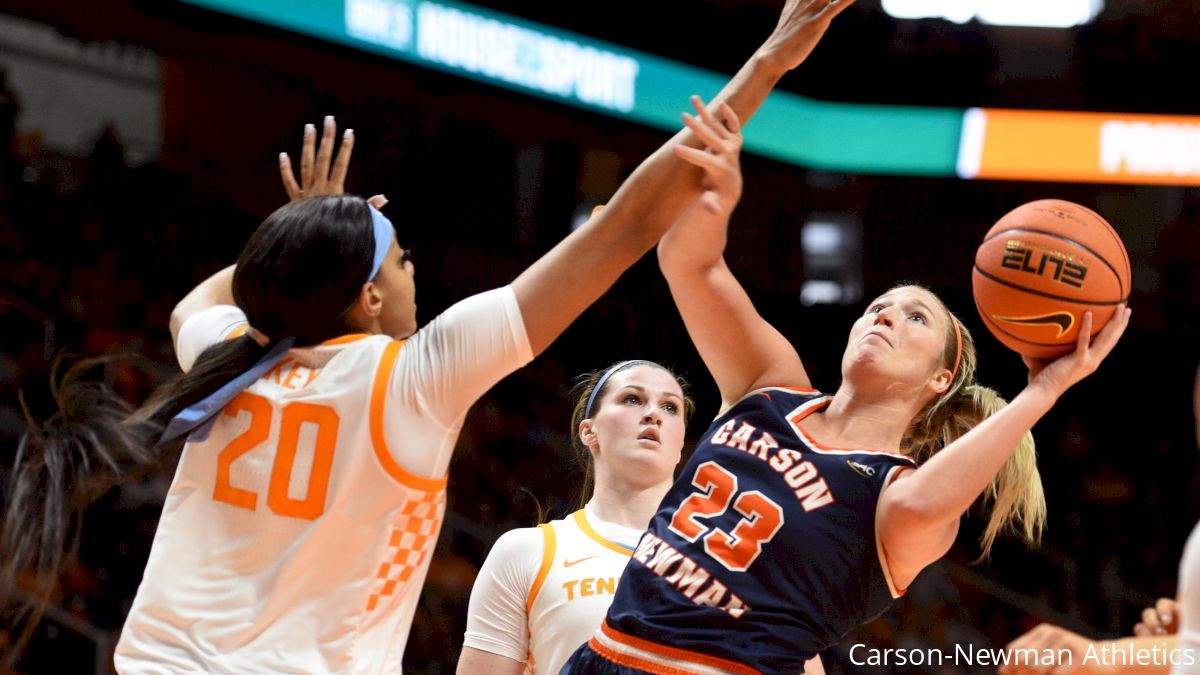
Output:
x=941 y=381
x=587 y=434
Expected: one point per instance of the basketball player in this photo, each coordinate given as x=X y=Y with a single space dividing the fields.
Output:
x=802 y=515
x=298 y=530
x=543 y=590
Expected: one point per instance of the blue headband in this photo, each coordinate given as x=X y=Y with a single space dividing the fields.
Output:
x=587 y=410
x=196 y=419
x=384 y=233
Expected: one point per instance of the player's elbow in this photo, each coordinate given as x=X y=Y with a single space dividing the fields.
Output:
x=178 y=316
x=914 y=511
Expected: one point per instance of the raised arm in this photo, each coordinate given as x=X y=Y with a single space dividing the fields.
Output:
x=559 y=286
x=320 y=174
x=741 y=350
x=917 y=516
x=1074 y=654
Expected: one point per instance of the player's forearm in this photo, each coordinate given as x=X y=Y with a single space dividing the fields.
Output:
x=664 y=185
x=1154 y=655
x=215 y=290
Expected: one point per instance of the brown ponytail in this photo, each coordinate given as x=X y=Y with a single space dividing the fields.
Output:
x=296 y=277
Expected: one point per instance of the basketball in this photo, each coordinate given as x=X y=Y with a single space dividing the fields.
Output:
x=1040 y=268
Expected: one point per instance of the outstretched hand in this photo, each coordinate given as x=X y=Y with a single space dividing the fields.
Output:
x=1059 y=374
x=722 y=141
x=1069 y=650
x=1161 y=619
x=320 y=173
x=801 y=25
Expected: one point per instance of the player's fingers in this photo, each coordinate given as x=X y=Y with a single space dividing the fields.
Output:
x=1166 y=611
x=707 y=117
x=707 y=161
x=306 y=156
x=1108 y=336
x=337 y=175
x=324 y=153
x=289 y=178
x=730 y=119
x=705 y=133
x=835 y=7
x=1084 y=339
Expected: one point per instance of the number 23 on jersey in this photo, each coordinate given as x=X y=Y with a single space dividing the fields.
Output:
x=736 y=550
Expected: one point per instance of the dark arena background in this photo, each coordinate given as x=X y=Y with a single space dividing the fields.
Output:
x=138 y=150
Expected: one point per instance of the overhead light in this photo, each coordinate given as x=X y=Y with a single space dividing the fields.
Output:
x=1029 y=13
x=831 y=245
x=821 y=292
x=821 y=237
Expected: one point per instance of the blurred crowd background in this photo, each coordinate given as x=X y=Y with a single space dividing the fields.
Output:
x=116 y=199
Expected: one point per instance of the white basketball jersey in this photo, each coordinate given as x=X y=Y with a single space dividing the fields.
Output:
x=292 y=538
x=1189 y=607
x=570 y=596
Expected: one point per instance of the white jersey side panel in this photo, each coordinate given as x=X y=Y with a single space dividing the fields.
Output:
x=1189 y=607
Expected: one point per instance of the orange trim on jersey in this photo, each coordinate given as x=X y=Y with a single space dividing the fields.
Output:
x=762 y=391
x=880 y=551
x=680 y=657
x=582 y=521
x=345 y=339
x=548 y=548
x=796 y=419
x=378 y=439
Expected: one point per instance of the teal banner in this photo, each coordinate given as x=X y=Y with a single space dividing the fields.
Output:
x=575 y=70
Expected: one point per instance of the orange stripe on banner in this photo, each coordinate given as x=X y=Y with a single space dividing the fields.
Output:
x=548 y=548
x=673 y=653
x=1089 y=147
x=379 y=439
x=582 y=522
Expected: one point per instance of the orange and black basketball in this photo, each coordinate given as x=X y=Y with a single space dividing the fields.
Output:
x=1040 y=268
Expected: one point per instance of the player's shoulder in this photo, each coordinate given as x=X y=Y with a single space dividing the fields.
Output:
x=521 y=539
x=784 y=399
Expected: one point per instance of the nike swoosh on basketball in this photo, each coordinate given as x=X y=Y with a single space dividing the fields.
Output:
x=568 y=563
x=1064 y=321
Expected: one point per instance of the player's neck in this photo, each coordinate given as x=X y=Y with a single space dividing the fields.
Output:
x=858 y=421
x=629 y=507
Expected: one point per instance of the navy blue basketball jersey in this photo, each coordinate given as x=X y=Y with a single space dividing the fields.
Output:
x=764 y=551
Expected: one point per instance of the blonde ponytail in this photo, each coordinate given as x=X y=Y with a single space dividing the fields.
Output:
x=1014 y=500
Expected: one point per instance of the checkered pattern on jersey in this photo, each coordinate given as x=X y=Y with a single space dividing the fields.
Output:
x=410 y=544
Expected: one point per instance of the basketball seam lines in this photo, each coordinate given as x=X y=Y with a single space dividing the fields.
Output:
x=1048 y=295
x=1120 y=285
